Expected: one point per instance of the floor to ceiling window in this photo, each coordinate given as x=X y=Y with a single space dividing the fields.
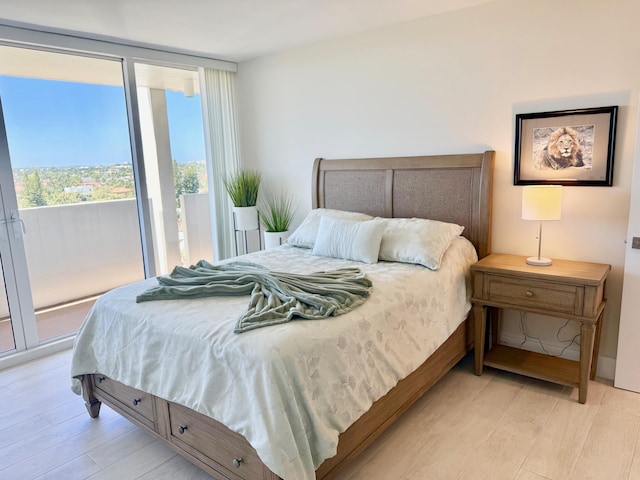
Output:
x=71 y=228
x=71 y=219
x=103 y=177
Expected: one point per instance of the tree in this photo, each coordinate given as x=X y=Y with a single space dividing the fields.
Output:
x=32 y=193
x=177 y=179
x=190 y=180
x=185 y=179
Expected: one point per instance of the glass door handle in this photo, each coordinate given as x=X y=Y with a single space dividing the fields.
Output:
x=15 y=220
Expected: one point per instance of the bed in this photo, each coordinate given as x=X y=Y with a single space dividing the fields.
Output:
x=449 y=188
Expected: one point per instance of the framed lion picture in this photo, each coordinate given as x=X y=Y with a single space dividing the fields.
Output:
x=568 y=147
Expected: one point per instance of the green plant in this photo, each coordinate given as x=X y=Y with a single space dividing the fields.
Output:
x=277 y=212
x=242 y=186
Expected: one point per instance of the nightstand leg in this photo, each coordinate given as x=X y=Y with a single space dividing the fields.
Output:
x=480 y=328
x=587 y=337
x=596 y=348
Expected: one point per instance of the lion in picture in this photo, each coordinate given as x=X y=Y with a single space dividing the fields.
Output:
x=562 y=151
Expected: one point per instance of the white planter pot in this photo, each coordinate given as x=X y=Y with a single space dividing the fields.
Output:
x=246 y=218
x=274 y=239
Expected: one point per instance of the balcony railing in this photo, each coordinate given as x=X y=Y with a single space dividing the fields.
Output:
x=76 y=252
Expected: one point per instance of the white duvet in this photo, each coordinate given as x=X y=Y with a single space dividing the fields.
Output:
x=289 y=389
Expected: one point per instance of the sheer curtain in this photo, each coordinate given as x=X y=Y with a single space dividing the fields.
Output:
x=221 y=143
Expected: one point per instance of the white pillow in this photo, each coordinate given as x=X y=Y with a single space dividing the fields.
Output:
x=349 y=239
x=305 y=235
x=417 y=240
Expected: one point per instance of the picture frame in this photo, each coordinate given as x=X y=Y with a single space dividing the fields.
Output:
x=566 y=147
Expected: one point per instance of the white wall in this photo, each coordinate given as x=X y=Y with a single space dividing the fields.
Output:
x=454 y=83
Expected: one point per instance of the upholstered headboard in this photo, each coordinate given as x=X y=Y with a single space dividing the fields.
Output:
x=450 y=188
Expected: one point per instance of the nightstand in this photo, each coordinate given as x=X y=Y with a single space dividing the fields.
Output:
x=565 y=289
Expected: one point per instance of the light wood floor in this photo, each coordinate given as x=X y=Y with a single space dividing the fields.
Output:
x=498 y=426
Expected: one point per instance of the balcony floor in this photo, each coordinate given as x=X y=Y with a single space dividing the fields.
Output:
x=52 y=323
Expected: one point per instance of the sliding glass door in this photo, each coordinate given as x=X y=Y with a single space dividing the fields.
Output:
x=69 y=227
x=12 y=326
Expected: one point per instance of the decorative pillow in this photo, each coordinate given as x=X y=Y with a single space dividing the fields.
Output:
x=305 y=235
x=416 y=240
x=349 y=239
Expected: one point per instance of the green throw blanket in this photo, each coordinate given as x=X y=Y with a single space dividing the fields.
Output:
x=276 y=297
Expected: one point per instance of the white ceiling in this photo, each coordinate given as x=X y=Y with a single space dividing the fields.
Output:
x=234 y=30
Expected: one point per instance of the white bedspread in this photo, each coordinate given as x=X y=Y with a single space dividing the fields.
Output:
x=289 y=389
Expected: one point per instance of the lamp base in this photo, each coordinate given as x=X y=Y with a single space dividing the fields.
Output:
x=539 y=261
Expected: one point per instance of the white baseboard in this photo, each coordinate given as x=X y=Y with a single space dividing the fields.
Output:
x=606 y=365
x=18 y=358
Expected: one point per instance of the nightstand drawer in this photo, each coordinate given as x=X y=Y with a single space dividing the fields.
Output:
x=547 y=296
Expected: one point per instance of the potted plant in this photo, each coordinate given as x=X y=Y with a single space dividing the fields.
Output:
x=242 y=187
x=277 y=214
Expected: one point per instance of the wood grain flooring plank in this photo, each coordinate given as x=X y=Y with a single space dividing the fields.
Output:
x=556 y=450
x=176 y=468
x=126 y=444
x=449 y=456
x=135 y=465
x=634 y=471
x=61 y=443
x=76 y=469
x=609 y=448
x=622 y=400
x=525 y=475
x=502 y=453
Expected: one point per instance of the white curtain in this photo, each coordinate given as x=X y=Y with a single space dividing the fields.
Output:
x=221 y=142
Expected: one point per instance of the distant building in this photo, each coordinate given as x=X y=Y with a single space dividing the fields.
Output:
x=121 y=191
x=81 y=189
x=86 y=188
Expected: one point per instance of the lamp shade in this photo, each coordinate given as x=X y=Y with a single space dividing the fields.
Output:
x=541 y=202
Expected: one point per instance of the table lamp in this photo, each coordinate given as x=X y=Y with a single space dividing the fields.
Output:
x=541 y=203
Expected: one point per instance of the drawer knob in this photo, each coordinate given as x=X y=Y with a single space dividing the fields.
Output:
x=136 y=401
x=529 y=294
x=100 y=379
x=182 y=429
x=237 y=462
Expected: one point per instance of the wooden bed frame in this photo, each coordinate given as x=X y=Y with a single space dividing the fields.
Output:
x=454 y=188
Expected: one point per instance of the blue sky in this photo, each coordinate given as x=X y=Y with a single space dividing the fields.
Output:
x=53 y=123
